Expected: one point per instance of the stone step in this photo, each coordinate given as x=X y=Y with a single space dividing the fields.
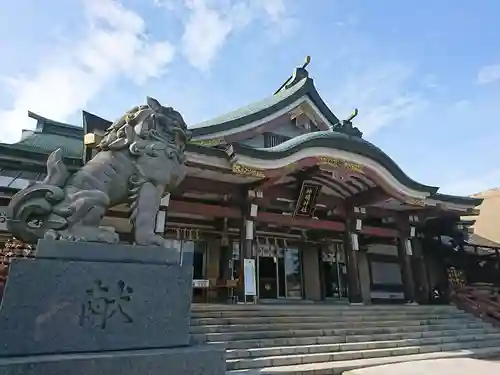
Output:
x=315 y=307
x=342 y=339
x=338 y=367
x=324 y=318
x=350 y=332
x=332 y=324
x=340 y=347
x=331 y=311
x=297 y=359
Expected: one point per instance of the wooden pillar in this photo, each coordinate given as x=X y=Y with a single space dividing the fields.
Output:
x=423 y=289
x=226 y=253
x=354 y=225
x=249 y=213
x=407 y=231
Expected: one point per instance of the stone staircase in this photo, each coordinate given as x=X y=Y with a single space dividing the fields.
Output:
x=330 y=339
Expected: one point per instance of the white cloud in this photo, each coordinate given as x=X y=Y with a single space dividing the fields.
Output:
x=275 y=9
x=209 y=23
x=206 y=30
x=115 y=45
x=383 y=95
x=473 y=184
x=488 y=74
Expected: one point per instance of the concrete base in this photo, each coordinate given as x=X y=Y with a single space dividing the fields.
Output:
x=85 y=308
x=82 y=300
x=196 y=360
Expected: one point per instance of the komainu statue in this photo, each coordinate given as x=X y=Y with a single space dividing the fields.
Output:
x=140 y=159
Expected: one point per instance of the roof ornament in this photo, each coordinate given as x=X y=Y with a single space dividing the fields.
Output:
x=298 y=75
x=346 y=127
x=306 y=62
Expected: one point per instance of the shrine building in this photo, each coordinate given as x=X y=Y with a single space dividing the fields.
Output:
x=324 y=214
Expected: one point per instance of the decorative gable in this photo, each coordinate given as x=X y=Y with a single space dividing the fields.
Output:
x=306 y=118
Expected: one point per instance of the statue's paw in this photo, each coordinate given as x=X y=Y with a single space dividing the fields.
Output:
x=108 y=237
x=150 y=240
x=89 y=234
x=51 y=234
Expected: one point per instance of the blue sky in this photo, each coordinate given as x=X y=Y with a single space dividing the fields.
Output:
x=425 y=74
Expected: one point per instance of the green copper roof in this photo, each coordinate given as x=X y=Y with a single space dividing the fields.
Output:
x=50 y=135
x=46 y=143
x=338 y=141
x=253 y=108
x=302 y=85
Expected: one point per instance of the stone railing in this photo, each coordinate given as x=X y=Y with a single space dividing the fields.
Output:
x=482 y=301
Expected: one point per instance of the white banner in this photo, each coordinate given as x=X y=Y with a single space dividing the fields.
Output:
x=249 y=277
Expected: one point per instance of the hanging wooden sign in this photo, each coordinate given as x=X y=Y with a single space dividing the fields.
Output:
x=306 y=204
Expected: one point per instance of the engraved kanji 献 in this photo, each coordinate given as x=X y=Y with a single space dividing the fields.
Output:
x=104 y=303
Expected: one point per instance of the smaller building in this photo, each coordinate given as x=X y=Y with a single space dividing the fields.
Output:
x=487 y=222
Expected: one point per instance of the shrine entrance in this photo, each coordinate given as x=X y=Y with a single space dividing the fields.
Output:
x=333 y=270
x=194 y=252
x=279 y=272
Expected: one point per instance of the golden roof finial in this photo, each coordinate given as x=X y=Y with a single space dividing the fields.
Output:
x=306 y=62
x=352 y=115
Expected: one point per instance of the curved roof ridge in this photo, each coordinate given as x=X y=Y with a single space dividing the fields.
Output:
x=46 y=120
x=298 y=74
x=250 y=109
x=339 y=141
x=456 y=198
x=319 y=134
x=298 y=85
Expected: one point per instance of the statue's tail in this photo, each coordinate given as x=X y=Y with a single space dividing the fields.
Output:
x=30 y=212
x=57 y=173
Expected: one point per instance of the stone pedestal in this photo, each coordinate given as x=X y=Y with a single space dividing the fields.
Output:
x=85 y=308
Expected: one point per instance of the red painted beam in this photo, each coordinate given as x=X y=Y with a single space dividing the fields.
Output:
x=368 y=197
x=267 y=183
x=380 y=232
x=268 y=217
x=208 y=210
x=201 y=185
x=215 y=211
x=329 y=201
